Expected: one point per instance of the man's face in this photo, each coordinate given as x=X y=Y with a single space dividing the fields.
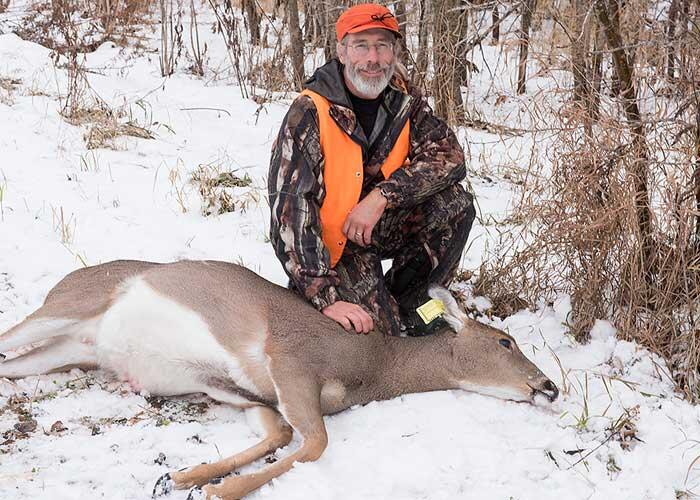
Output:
x=369 y=60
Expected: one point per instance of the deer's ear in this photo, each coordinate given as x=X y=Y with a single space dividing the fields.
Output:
x=454 y=315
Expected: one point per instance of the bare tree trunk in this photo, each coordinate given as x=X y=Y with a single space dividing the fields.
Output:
x=628 y=93
x=331 y=12
x=447 y=19
x=696 y=176
x=496 y=22
x=312 y=24
x=597 y=69
x=308 y=27
x=578 y=52
x=400 y=9
x=401 y=16
x=463 y=66
x=615 y=9
x=421 y=67
x=252 y=20
x=318 y=20
x=528 y=6
x=683 y=52
x=583 y=88
x=296 y=42
x=170 y=37
x=670 y=34
x=622 y=64
x=197 y=52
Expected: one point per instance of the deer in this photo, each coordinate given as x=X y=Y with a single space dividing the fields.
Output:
x=220 y=329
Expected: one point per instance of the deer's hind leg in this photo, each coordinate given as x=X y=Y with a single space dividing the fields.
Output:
x=57 y=354
x=34 y=330
x=299 y=403
x=277 y=434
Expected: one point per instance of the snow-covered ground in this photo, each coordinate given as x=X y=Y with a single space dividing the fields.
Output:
x=617 y=431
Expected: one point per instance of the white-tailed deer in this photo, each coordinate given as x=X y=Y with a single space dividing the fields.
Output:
x=220 y=329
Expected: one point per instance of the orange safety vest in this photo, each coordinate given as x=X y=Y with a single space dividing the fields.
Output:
x=343 y=173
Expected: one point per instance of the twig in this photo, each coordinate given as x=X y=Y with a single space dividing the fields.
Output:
x=205 y=109
x=494 y=128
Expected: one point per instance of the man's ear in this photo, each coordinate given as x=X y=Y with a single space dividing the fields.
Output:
x=340 y=50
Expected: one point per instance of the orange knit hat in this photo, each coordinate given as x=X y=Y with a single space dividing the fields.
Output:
x=366 y=16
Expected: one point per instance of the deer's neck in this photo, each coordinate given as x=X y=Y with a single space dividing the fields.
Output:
x=412 y=365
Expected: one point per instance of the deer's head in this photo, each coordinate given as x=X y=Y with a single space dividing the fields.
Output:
x=488 y=361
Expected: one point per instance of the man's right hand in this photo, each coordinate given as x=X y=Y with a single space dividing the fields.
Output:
x=350 y=315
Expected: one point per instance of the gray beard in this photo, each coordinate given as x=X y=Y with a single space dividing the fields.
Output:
x=369 y=87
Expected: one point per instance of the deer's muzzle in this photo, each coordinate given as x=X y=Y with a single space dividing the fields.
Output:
x=547 y=388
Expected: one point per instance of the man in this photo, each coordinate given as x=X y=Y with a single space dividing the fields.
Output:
x=362 y=170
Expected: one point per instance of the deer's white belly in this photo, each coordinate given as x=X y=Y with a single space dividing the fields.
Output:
x=163 y=347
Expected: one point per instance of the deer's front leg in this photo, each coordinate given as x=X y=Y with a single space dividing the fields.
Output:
x=299 y=403
x=276 y=435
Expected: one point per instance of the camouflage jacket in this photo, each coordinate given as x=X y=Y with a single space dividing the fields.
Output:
x=295 y=181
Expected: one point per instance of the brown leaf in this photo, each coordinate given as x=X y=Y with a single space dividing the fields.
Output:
x=27 y=426
x=58 y=427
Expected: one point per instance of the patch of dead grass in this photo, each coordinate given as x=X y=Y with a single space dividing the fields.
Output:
x=104 y=124
x=217 y=189
x=8 y=85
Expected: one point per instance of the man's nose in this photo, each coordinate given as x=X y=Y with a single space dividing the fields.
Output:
x=373 y=54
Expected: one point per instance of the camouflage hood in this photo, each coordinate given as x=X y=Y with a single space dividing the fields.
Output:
x=328 y=81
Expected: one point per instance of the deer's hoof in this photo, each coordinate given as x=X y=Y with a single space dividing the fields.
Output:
x=197 y=493
x=163 y=486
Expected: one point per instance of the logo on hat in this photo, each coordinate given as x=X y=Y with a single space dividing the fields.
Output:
x=365 y=17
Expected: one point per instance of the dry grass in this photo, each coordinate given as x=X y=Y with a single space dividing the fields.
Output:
x=104 y=124
x=102 y=133
x=94 y=22
x=64 y=227
x=582 y=237
x=216 y=189
x=272 y=74
x=8 y=86
x=583 y=231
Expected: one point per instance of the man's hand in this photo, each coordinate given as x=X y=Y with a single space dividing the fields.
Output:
x=350 y=315
x=361 y=220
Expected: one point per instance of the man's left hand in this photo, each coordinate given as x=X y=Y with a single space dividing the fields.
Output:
x=361 y=220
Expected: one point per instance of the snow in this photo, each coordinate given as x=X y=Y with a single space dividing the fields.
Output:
x=63 y=205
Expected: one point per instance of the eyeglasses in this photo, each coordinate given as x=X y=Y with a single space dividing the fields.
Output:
x=382 y=48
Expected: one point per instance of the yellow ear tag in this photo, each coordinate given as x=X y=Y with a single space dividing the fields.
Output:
x=432 y=309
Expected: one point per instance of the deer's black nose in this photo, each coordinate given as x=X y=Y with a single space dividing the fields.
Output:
x=549 y=387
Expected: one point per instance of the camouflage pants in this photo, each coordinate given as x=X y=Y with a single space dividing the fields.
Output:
x=425 y=244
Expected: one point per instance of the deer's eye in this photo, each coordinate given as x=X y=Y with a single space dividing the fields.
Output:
x=505 y=343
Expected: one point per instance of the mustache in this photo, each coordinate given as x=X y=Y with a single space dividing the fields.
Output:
x=373 y=67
